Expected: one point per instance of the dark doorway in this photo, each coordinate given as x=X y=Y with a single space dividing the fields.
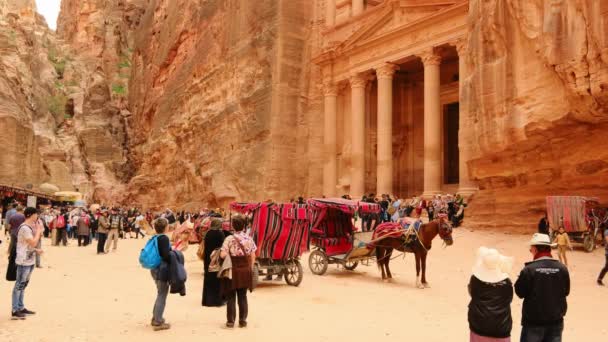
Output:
x=450 y=144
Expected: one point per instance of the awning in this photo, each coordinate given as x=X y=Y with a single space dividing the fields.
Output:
x=48 y=188
x=68 y=196
x=4 y=188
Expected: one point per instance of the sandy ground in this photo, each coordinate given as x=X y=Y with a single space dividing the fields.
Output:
x=80 y=296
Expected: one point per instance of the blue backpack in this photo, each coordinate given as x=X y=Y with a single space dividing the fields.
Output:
x=149 y=257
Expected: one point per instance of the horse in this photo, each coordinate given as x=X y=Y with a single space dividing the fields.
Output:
x=420 y=247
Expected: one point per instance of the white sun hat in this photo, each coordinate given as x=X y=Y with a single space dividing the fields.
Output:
x=539 y=239
x=491 y=266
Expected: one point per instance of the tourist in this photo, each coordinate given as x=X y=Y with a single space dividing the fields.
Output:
x=491 y=293
x=48 y=218
x=170 y=218
x=15 y=222
x=45 y=219
x=241 y=249
x=139 y=225
x=563 y=242
x=129 y=221
x=459 y=216
x=73 y=227
x=543 y=225
x=93 y=225
x=213 y=240
x=384 y=204
x=600 y=279
x=103 y=226
x=7 y=218
x=82 y=229
x=116 y=223
x=543 y=284
x=61 y=222
x=39 y=226
x=27 y=240
x=161 y=280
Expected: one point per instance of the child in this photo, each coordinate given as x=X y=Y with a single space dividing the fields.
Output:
x=562 y=240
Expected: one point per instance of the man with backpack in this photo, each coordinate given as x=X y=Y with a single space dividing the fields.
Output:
x=60 y=225
x=157 y=251
x=27 y=240
x=116 y=223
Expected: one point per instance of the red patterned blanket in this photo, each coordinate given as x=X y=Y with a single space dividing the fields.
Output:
x=386 y=229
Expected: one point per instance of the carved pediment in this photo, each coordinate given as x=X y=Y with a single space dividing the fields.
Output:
x=396 y=14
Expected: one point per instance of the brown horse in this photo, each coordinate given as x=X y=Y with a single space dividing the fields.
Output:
x=420 y=248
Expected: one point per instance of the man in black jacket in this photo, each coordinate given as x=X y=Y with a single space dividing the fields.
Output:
x=543 y=284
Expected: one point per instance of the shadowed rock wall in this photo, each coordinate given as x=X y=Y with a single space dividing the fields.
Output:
x=216 y=96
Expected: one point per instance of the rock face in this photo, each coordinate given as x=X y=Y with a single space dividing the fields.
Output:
x=538 y=94
x=218 y=96
x=60 y=123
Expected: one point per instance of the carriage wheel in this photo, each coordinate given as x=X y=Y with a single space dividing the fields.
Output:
x=317 y=262
x=350 y=265
x=293 y=272
x=589 y=243
x=255 y=274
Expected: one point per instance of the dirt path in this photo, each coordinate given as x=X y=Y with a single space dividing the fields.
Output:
x=80 y=296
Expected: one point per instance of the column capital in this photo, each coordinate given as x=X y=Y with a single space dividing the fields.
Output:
x=330 y=88
x=429 y=57
x=386 y=70
x=461 y=46
x=358 y=80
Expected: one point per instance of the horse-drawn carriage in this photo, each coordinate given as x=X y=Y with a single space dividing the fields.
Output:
x=281 y=233
x=581 y=217
x=334 y=237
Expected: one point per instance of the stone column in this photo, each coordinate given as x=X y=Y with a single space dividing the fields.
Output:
x=384 y=174
x=432 y=123
x=330 y=181
x=357 y=181
x=357 y=7
x=467 y=187
x=330 y=13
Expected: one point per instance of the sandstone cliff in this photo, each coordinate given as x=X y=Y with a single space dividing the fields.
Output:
x=218 y=92
x=59 y=122
x=538 y=99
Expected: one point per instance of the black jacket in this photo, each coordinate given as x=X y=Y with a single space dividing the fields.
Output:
x=173 y=272
x=490 y=308
x=544 y=285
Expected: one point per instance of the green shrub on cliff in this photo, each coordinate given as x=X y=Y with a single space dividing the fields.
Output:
x=56 y=104
x=58 y=62
x=119 y=89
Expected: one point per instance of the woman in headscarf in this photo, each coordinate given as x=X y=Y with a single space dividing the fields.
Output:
x=214 y=239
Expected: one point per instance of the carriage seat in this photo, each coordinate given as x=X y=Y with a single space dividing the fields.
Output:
x=333 y=245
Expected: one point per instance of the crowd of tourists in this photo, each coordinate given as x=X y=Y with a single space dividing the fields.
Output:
x=26 y=227
x=228 y=254
x=392 y=209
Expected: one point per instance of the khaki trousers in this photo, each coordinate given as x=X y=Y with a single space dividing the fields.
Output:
x=112 y=236
x=54 y=237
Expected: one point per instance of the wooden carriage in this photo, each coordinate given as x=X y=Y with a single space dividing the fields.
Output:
x=281 y=234
x=580 y=216
x=334 y=237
